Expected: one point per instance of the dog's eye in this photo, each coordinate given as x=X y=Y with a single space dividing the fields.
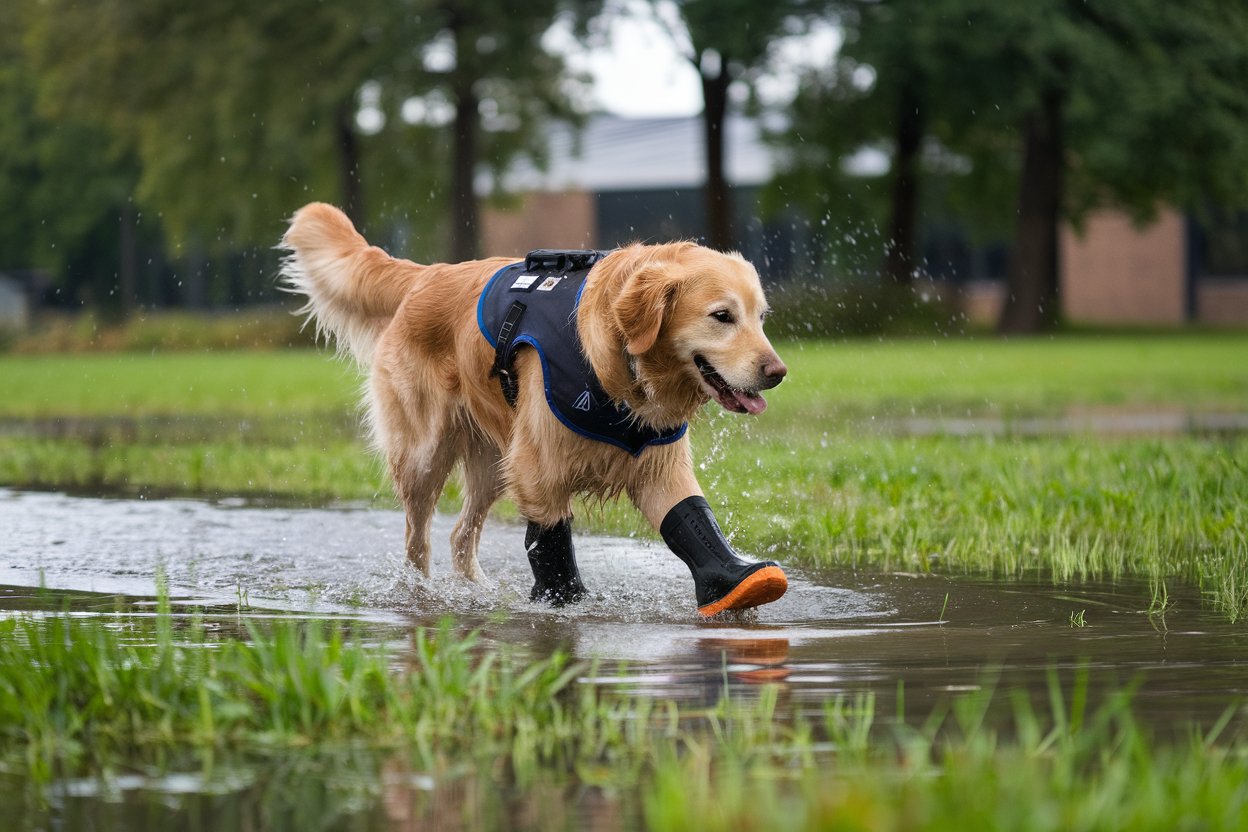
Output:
x=723 y=316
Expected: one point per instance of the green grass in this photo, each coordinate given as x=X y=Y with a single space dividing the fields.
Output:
x=812 y=481
x=89 y=695
x=1073 y=507
x=956 y=376
x=827 y=378
x=286 y=384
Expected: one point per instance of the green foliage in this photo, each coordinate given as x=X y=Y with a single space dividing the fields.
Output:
x=87 y=696
x=61 y=187
x=232 y=110
x=847 y=309
x=71 y=691
x=166 y=331
x=239 y=114
x=1154 y=96
x=741 y=32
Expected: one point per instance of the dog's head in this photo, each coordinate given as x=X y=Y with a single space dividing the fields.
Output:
x=689 y=321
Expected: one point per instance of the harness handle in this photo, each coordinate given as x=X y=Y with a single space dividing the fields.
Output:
x=561 y=260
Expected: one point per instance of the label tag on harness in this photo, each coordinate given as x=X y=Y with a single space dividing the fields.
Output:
x=549 y=284
x=524 y=282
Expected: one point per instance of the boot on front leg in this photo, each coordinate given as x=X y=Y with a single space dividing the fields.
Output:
x=722 y=580
x=556 y=579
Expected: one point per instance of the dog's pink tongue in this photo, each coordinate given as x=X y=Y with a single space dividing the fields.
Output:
x=752 y=403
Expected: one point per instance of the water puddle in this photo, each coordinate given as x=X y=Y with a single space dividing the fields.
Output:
x=914 y=637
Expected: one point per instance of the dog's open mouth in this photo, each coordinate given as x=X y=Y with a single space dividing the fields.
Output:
x=737 y=401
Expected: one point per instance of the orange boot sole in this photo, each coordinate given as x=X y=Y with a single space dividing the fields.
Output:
x=762 y=587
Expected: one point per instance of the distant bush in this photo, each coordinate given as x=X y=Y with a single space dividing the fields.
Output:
x=798 y=311
x=165 y=331
x=838 y=310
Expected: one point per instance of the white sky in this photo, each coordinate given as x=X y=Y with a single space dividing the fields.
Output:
x=639 y=68
x=637 y=65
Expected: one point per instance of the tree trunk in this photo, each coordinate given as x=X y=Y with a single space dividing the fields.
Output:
x=718 y=199
x=195 y=288
x=127 y=273
x=464 y=220
x=349 y=163
x=1031 y=301
x=899 y=258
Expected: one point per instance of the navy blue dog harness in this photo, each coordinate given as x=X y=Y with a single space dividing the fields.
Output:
x=535 y=303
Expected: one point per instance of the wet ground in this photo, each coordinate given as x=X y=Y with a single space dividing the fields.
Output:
x=834 y=632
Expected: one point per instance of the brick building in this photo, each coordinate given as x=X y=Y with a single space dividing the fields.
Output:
x=622 y=180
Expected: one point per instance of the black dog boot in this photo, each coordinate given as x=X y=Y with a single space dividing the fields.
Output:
x=723 y=581
x=556 y=578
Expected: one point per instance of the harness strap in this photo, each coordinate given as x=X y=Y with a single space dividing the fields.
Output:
x=502 y=345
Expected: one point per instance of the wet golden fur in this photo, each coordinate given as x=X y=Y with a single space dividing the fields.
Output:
x=432 y=402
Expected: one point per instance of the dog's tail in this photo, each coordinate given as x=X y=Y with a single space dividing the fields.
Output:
x=353 y=289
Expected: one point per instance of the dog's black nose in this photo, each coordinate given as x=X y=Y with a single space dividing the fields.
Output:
x=773 y=372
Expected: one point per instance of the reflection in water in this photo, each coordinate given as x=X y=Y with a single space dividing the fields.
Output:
x=295 y=791
x=750 y=660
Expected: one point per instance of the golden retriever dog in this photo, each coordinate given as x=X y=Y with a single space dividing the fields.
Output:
x=664 y=328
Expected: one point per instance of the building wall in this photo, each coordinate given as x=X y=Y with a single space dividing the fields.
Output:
x=1116 y=273
x=1222 y=301
x=14 y=308
x=981 y=301
x=566 y=219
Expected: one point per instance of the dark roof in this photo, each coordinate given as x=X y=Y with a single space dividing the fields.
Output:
x=612 y=153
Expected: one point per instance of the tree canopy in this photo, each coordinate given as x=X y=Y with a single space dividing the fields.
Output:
x=1076 y=105
x=728 y=41
x=229 y=99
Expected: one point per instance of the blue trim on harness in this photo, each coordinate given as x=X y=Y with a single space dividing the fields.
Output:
x=485 y=293
x=550 y=402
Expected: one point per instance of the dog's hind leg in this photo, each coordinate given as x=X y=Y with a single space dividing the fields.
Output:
x=419 y=475
x=482 y=484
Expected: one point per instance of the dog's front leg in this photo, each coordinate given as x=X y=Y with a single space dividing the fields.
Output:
x=722 y=580
x=545 y=502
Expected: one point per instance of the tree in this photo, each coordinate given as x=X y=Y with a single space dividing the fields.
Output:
x=239 y=113
x=728 y=40
x=65 y=204
x=1088 y=104
x=884 y=94
x=1125 y=104
x=497 y=65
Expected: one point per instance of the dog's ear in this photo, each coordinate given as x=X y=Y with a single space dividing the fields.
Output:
x=639 y=308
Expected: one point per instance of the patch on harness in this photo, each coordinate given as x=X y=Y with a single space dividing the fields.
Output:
x=549 y=284
x=524 y=281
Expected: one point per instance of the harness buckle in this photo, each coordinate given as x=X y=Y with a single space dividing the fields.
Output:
x=502 y=346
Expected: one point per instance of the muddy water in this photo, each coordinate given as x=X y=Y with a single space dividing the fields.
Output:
x=833 y=633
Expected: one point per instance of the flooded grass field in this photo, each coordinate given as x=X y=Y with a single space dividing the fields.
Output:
x=1016 y=601
x=845 y=666
x=834 y=633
